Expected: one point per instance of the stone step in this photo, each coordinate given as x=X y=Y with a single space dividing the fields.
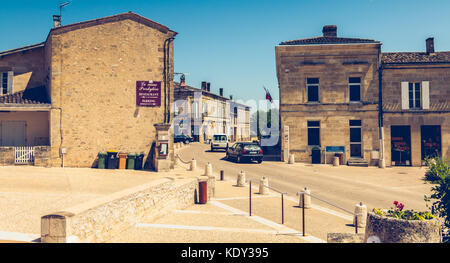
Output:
x=358 y=162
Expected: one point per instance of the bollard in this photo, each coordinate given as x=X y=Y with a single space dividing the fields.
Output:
x=241 y=179
x=307 y=200
x=360 y=220
x=193 y=165
x=208 y=170
x=203 y=192
x=176 y=162
x=263 y=184
x=222 y=175
x=291 y=159
x=336 y=161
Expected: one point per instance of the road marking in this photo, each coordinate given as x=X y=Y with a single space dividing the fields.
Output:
x=207 y=213
x=207 y=228
x=242 y=197
x=15 y=236
x=281 y=229
x=323 y=209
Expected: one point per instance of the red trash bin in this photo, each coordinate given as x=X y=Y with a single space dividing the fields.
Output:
x=203 y=192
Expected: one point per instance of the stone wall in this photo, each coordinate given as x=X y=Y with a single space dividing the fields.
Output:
x=101 y=219
x=93 y=74
x=6 y=155
x=42 y=155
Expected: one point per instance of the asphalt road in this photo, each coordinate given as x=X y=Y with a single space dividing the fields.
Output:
x=343 y=186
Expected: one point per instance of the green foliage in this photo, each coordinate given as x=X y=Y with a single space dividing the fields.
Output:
x=440 y=173
x=406 y=215
x=437 y=169
x=378 y=211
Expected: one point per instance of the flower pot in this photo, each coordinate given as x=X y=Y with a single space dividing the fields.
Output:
x=386 y=229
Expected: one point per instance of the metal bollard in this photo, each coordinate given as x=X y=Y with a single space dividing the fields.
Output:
x=221 y=175
x=303 y=214
x=203 y=192
x=193 y=165
x=305 y=199
x=263 y=186
x=360 y=218
x=241 y=179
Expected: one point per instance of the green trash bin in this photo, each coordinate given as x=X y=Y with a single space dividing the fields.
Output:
x=131 y=161
x=102 y=160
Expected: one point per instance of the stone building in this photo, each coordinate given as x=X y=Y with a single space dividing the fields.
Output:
x=201 y=113
x=331 y=89
x=74 y=95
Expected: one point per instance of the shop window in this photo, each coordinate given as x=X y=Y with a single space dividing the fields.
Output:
x=354 y=85
x=314 y=133
x=312 y=87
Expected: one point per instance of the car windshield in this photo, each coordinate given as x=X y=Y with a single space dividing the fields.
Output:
x=220 y=137
x=251 y=147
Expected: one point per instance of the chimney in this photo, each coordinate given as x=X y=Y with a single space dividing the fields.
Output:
x=221 y=92
x=430 y=45
x=208 y=87
x=231 y=97
x=56 y=21
x=330 y=31
x=203 y=85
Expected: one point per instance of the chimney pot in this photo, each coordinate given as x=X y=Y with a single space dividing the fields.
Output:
x=56 y=21
x=221 y=92
x=208 y=87
x=329 y=31
x=203 y=85
x=430 y=45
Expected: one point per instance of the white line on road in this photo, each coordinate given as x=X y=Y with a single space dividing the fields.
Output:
x=208 y=228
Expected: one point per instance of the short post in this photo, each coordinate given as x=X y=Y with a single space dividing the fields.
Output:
x=193 y=165
x=221 y=175
x=305 y=199
x=291 y=159
x=360 y=215
x=263 y=186
x=282 y=208
x=250 y=198
x=208 y=170
x=356 y=224
x=241 y=179
x=303 y=214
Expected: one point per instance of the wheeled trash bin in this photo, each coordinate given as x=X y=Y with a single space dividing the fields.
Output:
x=102 y=160
x=139 y=161
x=112 y=160
x=131 y=161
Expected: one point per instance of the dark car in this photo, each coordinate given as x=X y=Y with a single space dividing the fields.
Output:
x=182 y=138
x=245 y=151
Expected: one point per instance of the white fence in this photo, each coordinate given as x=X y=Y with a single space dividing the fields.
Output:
x=24 y=155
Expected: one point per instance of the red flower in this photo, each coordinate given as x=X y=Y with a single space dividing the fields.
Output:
x=395 y=203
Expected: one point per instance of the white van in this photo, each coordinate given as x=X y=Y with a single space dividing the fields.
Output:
x=219 y=141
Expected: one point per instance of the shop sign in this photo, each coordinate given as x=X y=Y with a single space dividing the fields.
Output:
x=148 y=94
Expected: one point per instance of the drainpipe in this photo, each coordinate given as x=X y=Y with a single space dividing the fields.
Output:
x=168 y=75
x=166 y=78
x=382 y=161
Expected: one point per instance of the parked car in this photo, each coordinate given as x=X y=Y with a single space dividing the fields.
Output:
x=245 y=151
x=182 y=138
x=219 y=141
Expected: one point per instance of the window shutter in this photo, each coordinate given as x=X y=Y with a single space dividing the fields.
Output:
x=405 y=96
x=10 y=81
x=425 y=95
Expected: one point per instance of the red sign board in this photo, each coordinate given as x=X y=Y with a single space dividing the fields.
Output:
x=148 y=94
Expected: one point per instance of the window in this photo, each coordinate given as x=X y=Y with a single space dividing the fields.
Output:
x=6 y=79
x=354 y=86
x=312 y=88
x=414 y=95
x=313 y=133
x=355 y=138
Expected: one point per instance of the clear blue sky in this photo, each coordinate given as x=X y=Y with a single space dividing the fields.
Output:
x=232 y=43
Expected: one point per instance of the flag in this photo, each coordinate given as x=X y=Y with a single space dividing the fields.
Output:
x=268 y=96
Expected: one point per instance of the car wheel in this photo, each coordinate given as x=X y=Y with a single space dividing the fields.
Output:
x=186 y=142
x=260 y=161
x=212 y=149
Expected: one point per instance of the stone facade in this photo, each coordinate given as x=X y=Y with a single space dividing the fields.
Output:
x=332 y=64
x=201 y=114
x=89 y=70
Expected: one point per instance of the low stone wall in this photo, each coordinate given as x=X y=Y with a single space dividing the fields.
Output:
x=344 y=238
x=6 y=155
x=385 y=229
x=42 y=156
x=101 y=219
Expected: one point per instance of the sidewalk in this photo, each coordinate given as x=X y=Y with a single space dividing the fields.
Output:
x=225 y=219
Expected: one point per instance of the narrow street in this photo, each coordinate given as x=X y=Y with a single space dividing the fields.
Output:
x=344 y=186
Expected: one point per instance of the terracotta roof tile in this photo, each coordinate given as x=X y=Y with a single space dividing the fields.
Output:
x=328 y=40
x=415 y=57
